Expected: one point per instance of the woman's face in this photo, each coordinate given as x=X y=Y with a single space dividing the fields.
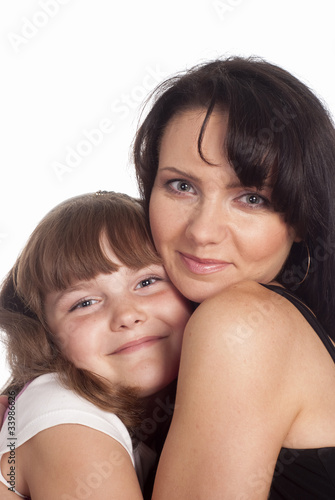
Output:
x=210 y=230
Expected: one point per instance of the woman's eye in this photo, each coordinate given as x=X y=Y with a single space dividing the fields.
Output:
x=146 y=282
x=253 y=199
x=84 y=303
x=181 y=186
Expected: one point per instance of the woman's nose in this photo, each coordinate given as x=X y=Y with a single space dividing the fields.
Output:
x=207 y=223
x=126 y=314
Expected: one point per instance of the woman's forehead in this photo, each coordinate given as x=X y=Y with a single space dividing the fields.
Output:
x=180 y=150
x=184 y=130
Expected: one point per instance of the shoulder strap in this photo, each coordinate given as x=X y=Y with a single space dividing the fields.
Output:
x=308 y=315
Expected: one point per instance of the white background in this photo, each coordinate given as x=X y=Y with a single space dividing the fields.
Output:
x=70 y=67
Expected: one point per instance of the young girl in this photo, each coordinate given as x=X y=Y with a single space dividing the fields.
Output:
x=94 y=330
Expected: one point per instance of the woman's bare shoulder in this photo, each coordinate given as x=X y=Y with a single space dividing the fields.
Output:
x=237 y=363
x=246 y=310
x=245 y=293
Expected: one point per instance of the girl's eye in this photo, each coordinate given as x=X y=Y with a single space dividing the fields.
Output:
x=181 y=186
x=84 y=303
x=147 y=282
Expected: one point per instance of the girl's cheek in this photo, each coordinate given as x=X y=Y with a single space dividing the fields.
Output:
x=65 y=344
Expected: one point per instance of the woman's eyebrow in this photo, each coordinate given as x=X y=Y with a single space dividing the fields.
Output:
x=233 y=184
x=181 y=173
x=237 y=184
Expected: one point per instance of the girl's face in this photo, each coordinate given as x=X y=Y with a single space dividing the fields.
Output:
x=210 y=230
x=126 y=326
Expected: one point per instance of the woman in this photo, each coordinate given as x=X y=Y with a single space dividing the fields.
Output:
x=236 y=164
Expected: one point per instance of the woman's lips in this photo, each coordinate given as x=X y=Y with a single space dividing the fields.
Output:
x=202 y=266
x=135 y=345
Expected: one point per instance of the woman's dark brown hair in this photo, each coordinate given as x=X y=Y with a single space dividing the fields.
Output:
x=66 y=247
x=277 y=128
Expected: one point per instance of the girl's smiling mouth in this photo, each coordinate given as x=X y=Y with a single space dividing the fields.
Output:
x=135 y=345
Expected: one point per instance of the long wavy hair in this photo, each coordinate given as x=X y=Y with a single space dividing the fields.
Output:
x=66 y=247
x=277 y=128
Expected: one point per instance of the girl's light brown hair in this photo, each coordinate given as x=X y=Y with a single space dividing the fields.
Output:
x=64 y=248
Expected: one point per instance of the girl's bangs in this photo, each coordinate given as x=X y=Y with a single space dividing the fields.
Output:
x=67 y=245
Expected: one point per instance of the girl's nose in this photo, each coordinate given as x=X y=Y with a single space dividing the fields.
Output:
x=126 y=315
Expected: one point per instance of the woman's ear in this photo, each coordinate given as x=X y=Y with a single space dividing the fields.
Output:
x=295 y=237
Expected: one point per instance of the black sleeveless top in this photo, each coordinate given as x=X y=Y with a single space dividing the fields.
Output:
x=305 y=474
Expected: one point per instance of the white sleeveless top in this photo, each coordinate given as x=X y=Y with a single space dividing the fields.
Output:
x=45 y=403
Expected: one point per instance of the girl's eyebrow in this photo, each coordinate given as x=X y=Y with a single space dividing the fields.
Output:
x=60 y=296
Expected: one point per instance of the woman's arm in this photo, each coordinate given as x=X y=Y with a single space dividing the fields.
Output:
x=235 y=399
x=71 y=461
